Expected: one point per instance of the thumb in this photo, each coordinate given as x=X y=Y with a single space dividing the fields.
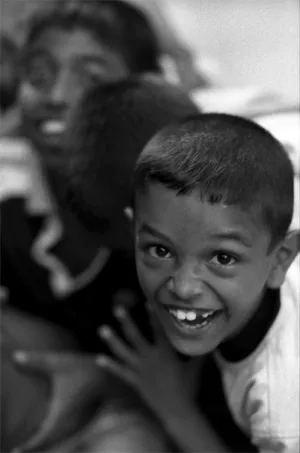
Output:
x=52 y=361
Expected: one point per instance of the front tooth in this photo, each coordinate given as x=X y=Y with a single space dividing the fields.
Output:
x=180 y=315
x=191 y=316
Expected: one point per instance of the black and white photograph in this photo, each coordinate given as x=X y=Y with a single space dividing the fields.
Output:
x=150 y=226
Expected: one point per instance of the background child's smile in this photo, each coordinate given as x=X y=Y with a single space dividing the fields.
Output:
x=59 y=68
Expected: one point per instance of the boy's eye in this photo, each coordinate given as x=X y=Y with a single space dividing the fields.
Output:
x=158 y=251
x=223 y=259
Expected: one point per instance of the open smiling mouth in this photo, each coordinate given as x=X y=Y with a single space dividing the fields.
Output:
x=193 y=319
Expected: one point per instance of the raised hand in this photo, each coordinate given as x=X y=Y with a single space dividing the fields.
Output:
x=153 y=369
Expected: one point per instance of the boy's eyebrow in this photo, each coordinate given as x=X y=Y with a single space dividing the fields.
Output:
x=145 y=228
x=233 y=236
x=226 y=235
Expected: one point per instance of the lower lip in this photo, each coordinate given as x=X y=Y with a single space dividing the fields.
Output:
x=51 y=135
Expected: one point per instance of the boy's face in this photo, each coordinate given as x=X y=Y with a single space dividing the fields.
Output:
x=57 y=70
x=203 y=267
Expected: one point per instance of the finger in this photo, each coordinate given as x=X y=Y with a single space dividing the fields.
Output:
x=117 y=346
x=52 y=361
x=115 y=368
x=130 y=330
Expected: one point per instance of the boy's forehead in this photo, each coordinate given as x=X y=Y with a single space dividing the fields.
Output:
x=167 y=211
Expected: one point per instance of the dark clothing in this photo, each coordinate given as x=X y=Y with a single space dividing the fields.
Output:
x=28 y=283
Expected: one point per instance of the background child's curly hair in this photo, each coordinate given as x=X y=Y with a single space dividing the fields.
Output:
x=107 y=132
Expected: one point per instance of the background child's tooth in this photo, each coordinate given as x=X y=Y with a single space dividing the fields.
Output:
x=191 y=316
x=180 y=315
x=53 y=127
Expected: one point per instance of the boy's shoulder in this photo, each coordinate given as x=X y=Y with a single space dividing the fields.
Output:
x=262 y=390
x=282 y=336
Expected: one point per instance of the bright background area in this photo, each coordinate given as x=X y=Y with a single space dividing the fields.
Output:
x=243 y=42
x=255 y=42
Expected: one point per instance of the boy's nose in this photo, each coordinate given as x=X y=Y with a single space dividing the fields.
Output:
x=186 y=284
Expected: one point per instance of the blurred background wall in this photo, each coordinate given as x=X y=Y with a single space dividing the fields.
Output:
x=242 y=42
x=255 y=42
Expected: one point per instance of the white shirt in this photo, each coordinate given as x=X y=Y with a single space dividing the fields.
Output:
x=262 y=391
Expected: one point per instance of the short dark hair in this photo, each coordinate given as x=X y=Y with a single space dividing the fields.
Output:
x=109 y=129
x=229 y=160
x=116 y=23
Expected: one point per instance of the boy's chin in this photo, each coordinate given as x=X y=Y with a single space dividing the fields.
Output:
x=193 y=348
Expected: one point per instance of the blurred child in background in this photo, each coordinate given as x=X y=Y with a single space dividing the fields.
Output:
x=47 y=254
x=92 y=415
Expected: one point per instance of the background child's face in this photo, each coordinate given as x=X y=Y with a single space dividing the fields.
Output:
x=203 y=267
x=59 y=67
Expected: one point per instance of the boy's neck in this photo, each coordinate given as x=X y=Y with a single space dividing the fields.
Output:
x=246 y=341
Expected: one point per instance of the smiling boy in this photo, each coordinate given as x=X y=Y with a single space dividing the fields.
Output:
x=216 y=261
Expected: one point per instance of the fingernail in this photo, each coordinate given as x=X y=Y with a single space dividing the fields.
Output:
x=21 y=356
x=104 y=332
x=120 y=312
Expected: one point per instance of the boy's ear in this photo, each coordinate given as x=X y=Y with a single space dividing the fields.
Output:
x=128 y=211
x=285 y=255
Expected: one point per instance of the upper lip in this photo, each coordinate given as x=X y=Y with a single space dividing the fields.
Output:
x=51 y=119
x=191 y=308
x=50 y=116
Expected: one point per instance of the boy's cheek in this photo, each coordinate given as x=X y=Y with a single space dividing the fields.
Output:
x=151 y=281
